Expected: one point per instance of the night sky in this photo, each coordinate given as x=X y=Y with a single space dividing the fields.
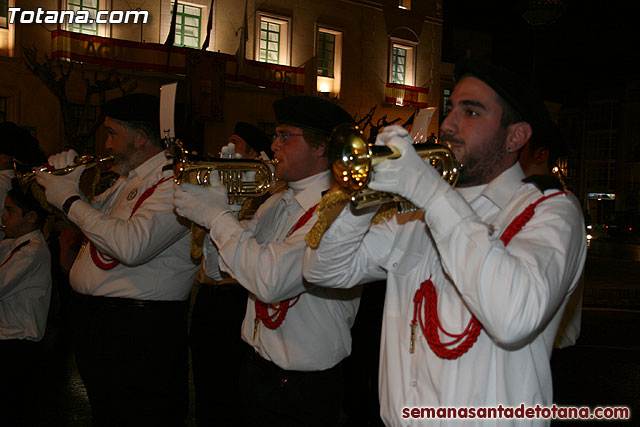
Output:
x=592 y=44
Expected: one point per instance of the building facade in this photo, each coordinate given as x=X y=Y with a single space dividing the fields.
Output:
x=360 y=53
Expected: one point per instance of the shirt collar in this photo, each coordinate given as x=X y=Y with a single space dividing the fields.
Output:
x=8 y=172
x=149 y=167
x=29 y=236
x=308 y=191
x=501 y=190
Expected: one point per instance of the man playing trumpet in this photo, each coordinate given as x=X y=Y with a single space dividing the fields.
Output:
x=132 y=277
x=475 y=288
x=297 y=334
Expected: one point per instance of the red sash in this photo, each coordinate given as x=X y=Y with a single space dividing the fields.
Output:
x=105 y=262
x=274 y=320
x=431 y=325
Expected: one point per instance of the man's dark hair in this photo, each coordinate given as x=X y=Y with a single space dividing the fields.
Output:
x=150 y=129
x=316 y=140
x=27 y=203
x=509 y=114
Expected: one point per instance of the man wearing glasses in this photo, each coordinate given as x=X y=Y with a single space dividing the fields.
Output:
x=299 y=334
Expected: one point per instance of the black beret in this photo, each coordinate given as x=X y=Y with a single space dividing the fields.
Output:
x=253 y=136
x=18 y=143
x=310 y=113
x=137 y=107
x=514 y=89
x=11 y=137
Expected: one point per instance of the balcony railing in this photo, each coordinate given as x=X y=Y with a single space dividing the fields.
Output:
x=403 y=95
x=126 y=54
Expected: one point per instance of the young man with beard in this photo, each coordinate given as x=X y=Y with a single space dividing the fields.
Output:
x=475 y=290
x=297 y=334
x=132 y=277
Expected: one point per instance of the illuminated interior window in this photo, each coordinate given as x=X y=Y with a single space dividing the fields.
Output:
x=188 y=22
x=269 y=42
x=401 y=69
x=329 y=55
x=272 y=41
x=398 y=65
x=326 y=53
x=92 y=7
x=404 y=4
x=4 y=13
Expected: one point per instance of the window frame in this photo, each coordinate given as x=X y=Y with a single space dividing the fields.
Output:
x=410 y=60
x=82 y=28
x=4 y=14
x=180 y=24
x=284 y=42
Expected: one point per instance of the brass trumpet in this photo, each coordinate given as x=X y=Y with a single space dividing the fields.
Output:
x=352 y=160
x=242 y=177
x=91 y=181
x=89 y=161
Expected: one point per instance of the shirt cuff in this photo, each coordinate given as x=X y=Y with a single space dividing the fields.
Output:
x=225 y=227
x=445 y=212
x=77 y=211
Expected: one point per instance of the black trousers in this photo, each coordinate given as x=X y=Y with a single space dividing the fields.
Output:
x=20 y=382
x=132 y=357
x=274 y=397
x=217 y=351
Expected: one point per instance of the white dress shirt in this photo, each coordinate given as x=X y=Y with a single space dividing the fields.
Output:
x=517 y=292
x=266 y=259
x=152 y=246
x=25 y=287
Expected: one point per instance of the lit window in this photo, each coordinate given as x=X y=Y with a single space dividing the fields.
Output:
x=404 y=4
x=273 y=39
x=188 y=20
x=398 y=65
x=269 y=42
x=4 y=13
x=401 y=67
x=329 y=55
x=88 y=5
x=326 y=53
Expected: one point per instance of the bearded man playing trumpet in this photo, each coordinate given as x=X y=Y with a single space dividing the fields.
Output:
x=298 y=335
x=477 y=284
x=132 y=277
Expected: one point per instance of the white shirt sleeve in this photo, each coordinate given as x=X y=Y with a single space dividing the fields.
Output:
x=515 y=290
x=350 y=253
x=153 y=228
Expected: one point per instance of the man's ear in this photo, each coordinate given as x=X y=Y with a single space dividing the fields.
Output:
x=517 y=135
x=140 y=138
x=31 y=217
x=320 y=150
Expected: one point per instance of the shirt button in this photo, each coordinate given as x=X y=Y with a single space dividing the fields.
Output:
x=414 y=383
x=395 y=265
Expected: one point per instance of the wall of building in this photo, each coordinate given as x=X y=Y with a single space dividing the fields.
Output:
x=365 y=26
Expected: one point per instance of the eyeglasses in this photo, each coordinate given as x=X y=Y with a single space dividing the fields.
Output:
x=284 y=136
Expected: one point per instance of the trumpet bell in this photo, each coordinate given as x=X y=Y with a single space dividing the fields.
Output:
x=353 y=158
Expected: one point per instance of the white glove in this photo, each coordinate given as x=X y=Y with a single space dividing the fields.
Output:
x=58 y=188
x=229 y=152
x=202 y=205
x=390 y=132
x=408 y=176
x=63 y=159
